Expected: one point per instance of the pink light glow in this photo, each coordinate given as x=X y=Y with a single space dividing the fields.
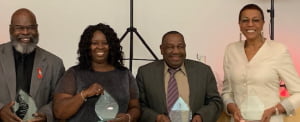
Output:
x=283 y=91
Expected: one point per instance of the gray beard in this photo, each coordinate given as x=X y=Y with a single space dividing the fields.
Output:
x=24 y=48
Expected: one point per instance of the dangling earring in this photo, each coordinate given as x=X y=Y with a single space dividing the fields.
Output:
x=262 y=34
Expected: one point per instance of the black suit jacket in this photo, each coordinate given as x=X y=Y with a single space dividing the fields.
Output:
x=204 y=97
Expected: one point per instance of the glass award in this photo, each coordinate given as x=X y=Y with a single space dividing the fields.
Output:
x=252 y=108
x=180 y=112
x=106 y=107
x=24 y=106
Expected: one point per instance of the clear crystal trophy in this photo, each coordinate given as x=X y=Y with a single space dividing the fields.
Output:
x=25 y=105
x=180 y=112
x=106 y=107
x=252 y=108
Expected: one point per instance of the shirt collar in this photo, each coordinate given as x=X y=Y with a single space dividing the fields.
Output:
x=182 y=68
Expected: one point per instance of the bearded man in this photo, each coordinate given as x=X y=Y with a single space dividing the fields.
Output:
x=24 y=66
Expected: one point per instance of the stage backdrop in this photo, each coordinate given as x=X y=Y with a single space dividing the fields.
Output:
x=208 y=25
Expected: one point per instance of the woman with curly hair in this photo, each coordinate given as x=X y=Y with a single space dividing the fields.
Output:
x=100 y=68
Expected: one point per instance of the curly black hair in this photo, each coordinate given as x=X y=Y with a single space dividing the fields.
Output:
x=115 y=55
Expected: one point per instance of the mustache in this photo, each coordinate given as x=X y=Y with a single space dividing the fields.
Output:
x=33 y=39
x=24 y=48
x=25 y=36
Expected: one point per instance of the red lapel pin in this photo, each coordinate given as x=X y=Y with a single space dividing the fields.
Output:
x=39 y=73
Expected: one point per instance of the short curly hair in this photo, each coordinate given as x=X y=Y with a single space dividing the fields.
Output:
x=251 y=6
x=115 y=55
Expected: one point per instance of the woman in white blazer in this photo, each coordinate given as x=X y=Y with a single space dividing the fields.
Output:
x=253 y=69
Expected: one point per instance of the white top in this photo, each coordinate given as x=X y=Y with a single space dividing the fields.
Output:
x=254 y=84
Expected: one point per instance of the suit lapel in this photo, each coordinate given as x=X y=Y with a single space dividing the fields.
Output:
x=8 y=63
x=161 y=85
x=38 y=71
x=190 y=75
x=155 y=85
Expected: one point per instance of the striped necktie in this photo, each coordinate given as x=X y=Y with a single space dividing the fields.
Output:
x=172 y=93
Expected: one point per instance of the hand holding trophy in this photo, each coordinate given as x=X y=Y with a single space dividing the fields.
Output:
x=106 y=107
x=25 y=106
x=180 y=112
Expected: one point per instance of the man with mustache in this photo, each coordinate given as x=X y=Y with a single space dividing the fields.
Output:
x=192 y=81
x=26 y=67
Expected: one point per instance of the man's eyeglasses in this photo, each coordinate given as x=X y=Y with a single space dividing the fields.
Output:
x=21 y=27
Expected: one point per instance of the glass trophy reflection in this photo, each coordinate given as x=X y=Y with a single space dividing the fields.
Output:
x=24 y=106
x=252 y=108
x=106 y=107
x=180 y=112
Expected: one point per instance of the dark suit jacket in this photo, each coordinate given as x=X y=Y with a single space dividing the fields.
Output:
x=204 y=97
x=41 y=88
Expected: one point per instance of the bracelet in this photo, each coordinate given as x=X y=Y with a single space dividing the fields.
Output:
x=83 y=98
x=276 y=111
x=129 y=117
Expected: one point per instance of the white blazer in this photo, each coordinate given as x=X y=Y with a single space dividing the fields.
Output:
x=257 y=81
